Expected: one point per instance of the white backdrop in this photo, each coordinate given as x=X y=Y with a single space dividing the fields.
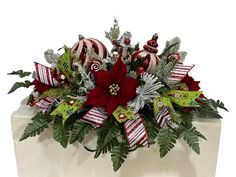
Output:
x=207 y=30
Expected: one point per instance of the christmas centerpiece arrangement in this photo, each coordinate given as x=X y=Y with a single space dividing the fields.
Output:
x=131 y=97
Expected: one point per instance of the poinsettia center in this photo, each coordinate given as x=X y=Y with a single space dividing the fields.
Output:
x=114 y=88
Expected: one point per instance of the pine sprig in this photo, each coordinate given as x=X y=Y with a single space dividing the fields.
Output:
x=79 y=130
x=61 y=132
x=166 y=141
x=118 y=155
x=172 y=46
x=39 y=122
x=165 y=66
x=57 y=92
x=164 y=69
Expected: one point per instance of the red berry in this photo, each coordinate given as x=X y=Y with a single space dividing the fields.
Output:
x=114 y=42
x=127 y=41
x=174 y=56
x=139 y=57
x=140 y=70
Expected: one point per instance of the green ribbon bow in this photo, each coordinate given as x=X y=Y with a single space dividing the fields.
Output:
x=180 y=97
x=67 y=108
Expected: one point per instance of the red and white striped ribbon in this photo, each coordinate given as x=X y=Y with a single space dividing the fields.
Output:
x=163 y=117
x=178 y=73
x=47 y=75
x=45 y=103
x=90 y=43
x=136 y=132
x=95 y=116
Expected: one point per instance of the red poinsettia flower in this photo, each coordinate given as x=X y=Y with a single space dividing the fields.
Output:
x=191 y=83
x=113 y=88
x=192 y=86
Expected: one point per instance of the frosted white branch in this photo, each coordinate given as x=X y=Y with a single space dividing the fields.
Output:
x=145 y=93
x=86 y=77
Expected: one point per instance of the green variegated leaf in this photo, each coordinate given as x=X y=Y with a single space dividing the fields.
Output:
x=20 y=73
x=17 y=85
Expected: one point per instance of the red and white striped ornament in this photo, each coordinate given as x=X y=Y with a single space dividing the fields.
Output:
x=178 y=73
x=81 y=48
x=45 y=103
x=136 y=132
x=48 y=76
x=163 y=117
x=95 y=116
x=150 y=53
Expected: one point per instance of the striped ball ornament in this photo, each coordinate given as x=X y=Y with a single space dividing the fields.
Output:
x=149 y=53
x=83 y=46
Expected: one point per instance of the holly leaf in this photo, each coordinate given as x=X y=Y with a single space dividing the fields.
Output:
x=39 y=122
x=118 y=155
x=17 y=85
x=20 y=73
x=166 y=141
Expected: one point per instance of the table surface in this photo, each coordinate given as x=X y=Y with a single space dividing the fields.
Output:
x=42 y=156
